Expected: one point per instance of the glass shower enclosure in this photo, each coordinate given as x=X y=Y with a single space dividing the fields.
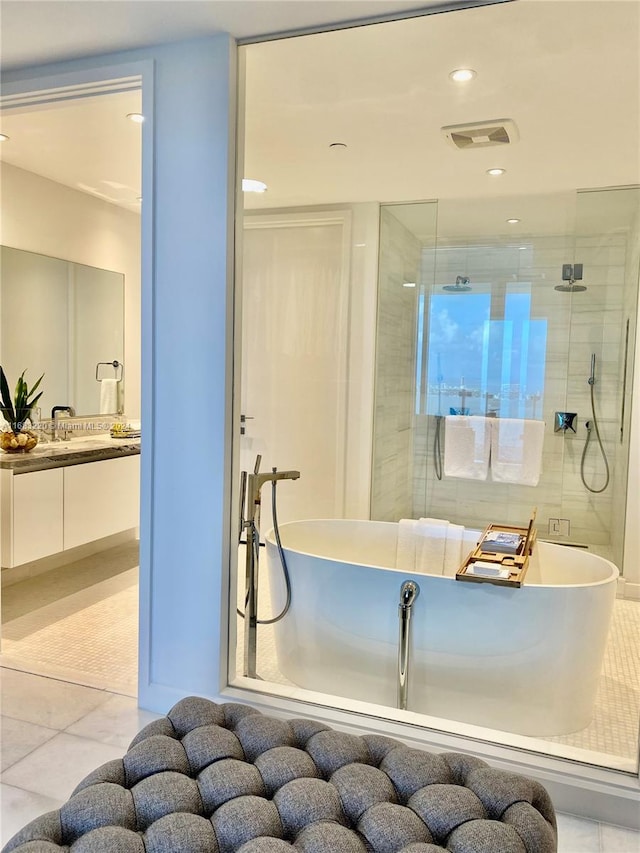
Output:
x=485 y=324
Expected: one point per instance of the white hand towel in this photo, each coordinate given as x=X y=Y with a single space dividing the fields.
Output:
x=406 y=547
x=431 y=534
x=516 y=451
x=467 y=446
x=453 y=549
x=108 y=396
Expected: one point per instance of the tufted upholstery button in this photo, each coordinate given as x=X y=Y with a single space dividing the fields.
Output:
x=303 y=730
x=485 y=836
x=153 y=755
x=258 y=734
x=188 y=714
x=244 y=818
x=207 y=744
x=266 y=845
x=104 y=804
x=282 y=764
x=181 y=832
x=163 y=793
x=114 y=838
x=305 y=801
x=444 y=807
x=213 y=778
x=331 y=750
x=498 y=789
x=389 y=827
x=326 y=837
x=411 y=769
x=361 y=786
x=530 y=825
x=224 y=780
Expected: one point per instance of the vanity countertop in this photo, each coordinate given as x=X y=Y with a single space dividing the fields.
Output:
x=76 y=451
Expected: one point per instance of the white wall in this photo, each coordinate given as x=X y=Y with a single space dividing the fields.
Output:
x=39 y=215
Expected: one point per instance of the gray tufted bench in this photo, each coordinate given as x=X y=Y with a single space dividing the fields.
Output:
x=211 y=778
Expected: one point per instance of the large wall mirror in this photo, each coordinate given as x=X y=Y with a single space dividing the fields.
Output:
x=65 y=320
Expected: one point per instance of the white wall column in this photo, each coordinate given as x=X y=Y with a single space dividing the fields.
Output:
x=188 y=147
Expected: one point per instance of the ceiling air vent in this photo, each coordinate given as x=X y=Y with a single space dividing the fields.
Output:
x=499 y=131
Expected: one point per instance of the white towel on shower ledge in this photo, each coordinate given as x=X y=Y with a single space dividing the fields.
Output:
x=431 y=534
x=467 y=445
x=453 y=549
x=406 y=545
x=516 y=451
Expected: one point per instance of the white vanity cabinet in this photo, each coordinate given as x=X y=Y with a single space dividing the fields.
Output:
x=48 y=511
x=32 y=513
x=100 y=499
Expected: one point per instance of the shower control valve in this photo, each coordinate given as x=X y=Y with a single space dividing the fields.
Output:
x=564 y=421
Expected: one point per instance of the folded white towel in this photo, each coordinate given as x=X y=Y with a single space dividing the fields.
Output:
x=108 y=396
x=453 y=549
x=431 y=534
x=406 y=545
x=516 y=451
x=467 y=446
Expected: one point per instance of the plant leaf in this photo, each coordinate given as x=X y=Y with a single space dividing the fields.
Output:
x=6 y=396
x=35 y=387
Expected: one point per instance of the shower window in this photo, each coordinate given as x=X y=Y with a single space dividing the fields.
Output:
x=480 y=364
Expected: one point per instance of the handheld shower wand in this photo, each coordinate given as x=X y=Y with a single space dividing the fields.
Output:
x=593 y=425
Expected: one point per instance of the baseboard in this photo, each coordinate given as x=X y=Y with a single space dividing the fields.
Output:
x=632 y=590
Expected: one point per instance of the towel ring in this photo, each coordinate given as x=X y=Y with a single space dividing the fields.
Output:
x=115 y=365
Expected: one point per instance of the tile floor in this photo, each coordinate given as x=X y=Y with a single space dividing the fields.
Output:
x=54 y=733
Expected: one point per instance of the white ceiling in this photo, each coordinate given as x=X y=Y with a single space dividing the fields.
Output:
x=567 y=73
x=34 y=32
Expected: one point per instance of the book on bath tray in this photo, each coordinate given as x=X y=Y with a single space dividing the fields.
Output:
x=501 y=542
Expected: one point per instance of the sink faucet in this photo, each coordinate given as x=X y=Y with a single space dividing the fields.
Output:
x=54 y=417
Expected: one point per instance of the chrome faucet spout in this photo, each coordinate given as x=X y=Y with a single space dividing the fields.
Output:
x=55 y=421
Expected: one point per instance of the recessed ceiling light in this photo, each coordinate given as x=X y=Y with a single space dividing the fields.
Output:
x=251 y=186
x=338 y=145
x=522 y=248
x=462 y=75
x=496 y=171
x=409 y=284
x=137 y=117
x=512 y=221
x=3 y=137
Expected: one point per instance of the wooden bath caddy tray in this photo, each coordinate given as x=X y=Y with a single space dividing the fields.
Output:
x=501 y=556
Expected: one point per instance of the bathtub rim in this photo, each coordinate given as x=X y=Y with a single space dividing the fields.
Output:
x=271 y=540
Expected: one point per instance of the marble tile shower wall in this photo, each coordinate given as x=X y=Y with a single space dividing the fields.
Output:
x=579 y=324
x=393 y=452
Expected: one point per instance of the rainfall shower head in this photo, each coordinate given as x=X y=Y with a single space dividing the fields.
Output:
x=462 y=285
x=570 y=274
x=570 y=288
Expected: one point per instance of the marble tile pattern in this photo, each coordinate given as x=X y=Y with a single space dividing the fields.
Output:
x=391 y=486
x=39 y=778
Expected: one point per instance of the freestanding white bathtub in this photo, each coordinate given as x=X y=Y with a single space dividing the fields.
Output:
x=521 y=660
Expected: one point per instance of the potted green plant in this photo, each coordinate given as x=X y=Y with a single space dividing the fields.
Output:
x=16 y=412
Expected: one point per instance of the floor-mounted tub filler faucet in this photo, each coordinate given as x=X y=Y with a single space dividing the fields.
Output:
x=250 y=496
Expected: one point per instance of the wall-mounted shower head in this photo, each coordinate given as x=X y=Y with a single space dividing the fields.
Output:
x=462 y=285
x=568 y=287
x=570 y=274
